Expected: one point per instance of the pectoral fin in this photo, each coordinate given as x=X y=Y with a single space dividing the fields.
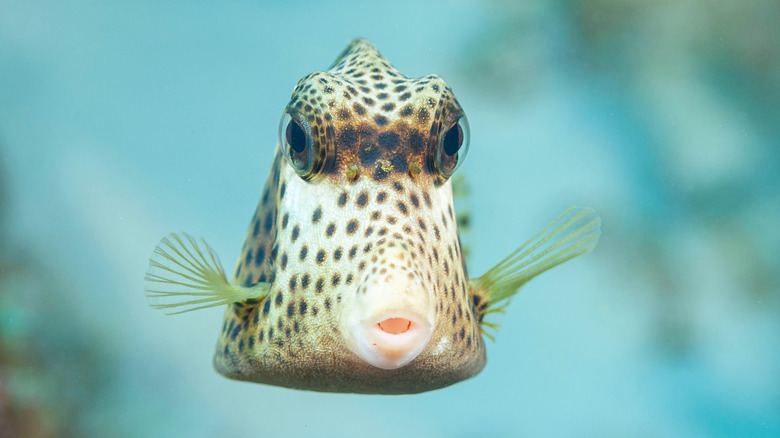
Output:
x=573 y=233
x=185 y=274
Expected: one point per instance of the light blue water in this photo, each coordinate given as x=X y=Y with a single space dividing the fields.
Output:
x=121 y=122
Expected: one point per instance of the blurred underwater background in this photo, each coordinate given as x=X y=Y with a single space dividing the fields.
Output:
x=123 y=121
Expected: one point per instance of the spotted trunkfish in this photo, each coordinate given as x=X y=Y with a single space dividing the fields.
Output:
x=352 y=276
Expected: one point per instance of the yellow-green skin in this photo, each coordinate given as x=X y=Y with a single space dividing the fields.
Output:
x=320 y=236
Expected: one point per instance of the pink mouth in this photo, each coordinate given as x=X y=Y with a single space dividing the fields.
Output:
x=395 y=326
x=392 y=342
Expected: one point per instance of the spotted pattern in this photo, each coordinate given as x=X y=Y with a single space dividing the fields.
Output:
x=321 y=236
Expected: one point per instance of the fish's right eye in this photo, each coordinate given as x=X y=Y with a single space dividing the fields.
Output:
x=295 y=138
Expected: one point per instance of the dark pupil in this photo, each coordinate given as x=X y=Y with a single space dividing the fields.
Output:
x=296 y=136
x=452 y=140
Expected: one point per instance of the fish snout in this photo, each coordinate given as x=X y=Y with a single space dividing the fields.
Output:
x=390 y=318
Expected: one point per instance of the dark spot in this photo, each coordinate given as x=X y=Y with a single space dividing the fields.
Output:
x=305 y=281
x=367 y=248
x=398 y=187
x=416 y=142
x=290 y=309
x=330 y=229
x=381 y=120
x=359 y=109
x=293 y=283
x=284 y=261
x=427 y=199
x=402 y=208
x=352 y=227
x=278 y=300
x=336 y=279
x=349 y=138
x=388 y=140
x=327 y=303
x=285 y=220
x=388 y=107
x=352 y=252
x=317 y=215
x=369 y=231
x=343 y=199
x=304 y=252
x=415 y=200
x=405 y=96
x=231 y=326
x=260 y=255
x=375 y=215
x=362 y=199
x=266 y=307
x=380 y=198
x=319 y=285
x=337 y=254
x=302 y=307
x=295 y=233
x=320 y=257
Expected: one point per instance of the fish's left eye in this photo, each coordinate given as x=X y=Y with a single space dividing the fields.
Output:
x=295 y=140
x=453 y=146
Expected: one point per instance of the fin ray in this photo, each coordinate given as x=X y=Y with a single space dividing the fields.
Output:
x=185 y=274
x=572 y=234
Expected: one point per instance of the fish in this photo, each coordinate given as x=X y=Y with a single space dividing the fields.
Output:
x=352 y=275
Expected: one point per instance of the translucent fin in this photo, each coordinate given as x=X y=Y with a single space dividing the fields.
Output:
x=573 y=233
x=185 y=274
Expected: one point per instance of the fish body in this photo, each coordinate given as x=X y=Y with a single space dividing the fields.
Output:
x=352 y=277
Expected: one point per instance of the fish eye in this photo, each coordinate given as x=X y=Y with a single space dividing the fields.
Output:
x=295 y=136
x=453 y=146
x=295 y=139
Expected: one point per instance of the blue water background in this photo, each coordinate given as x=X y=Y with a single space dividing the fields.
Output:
x=123 y=121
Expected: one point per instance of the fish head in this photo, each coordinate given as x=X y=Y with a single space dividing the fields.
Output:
x=369 y=291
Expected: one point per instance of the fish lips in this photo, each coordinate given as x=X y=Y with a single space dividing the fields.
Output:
x=391 y=339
